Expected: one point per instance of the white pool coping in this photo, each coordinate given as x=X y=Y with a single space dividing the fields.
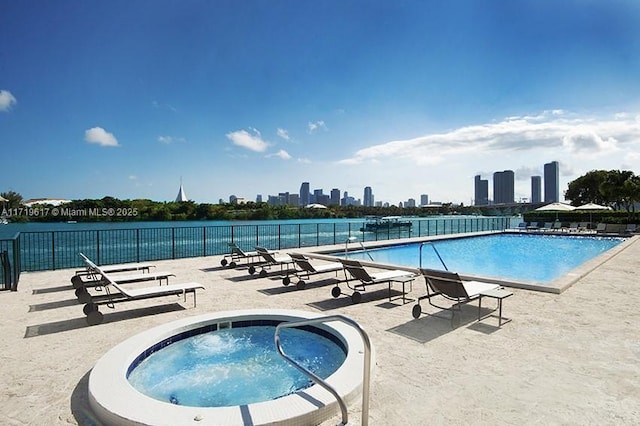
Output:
x=116 y=402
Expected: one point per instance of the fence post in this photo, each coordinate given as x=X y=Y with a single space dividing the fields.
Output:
x=53 y=250
x=204 y=240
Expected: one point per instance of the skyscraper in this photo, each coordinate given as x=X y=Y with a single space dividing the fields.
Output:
x=304 y=194
x=536 y=189
x=551 y=182
x=335 y=197
x=481 y=191
x=503 y=187
x=424 y=200
x=367 y=200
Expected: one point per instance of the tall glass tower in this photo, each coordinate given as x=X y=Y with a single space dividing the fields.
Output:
x=503 y=187
x=368 y=197
x=481 y=191
x=304 y=194
x=551 y=182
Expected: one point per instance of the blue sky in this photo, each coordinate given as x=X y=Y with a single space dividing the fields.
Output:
x=125 y=98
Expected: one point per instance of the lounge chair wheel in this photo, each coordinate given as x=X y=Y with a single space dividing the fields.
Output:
x=83 y=296
x=356 y=297
x=286 y=281
x=416 y=311
x=89 y=307
x=301 y=285
x=335 y=292
x=233 y=265
x=94 y=317
x=252 y=270
x=223 y=262
x=263 y=273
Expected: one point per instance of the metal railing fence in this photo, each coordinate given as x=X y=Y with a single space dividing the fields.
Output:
x=50 y=250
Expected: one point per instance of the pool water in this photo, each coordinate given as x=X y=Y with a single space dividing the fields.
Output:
x=234 y=366
x=534 y=258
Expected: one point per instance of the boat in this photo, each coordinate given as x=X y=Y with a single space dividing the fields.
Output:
x=386 y=223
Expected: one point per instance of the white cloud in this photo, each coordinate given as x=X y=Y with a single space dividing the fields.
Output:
x=100 y=137
x=7 y=100
x=318 y=125
x=244 y=139
x=167 y=140
x=551 y=131
x=281 y=154
x=283 y=134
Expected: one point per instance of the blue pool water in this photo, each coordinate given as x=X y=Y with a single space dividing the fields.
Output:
x=234 y=366
x=520 y=257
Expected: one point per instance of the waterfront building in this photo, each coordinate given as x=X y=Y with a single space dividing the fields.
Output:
x=424 y=199
x=305 y=194
x=551 y=182
x=536 y=189
x=481 y=191
x=367 y=200
x=335 y=197
x=504 y=187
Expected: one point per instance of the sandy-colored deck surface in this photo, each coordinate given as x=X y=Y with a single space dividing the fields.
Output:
x=570 y=358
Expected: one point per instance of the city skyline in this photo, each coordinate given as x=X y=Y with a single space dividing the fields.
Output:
x=121 y=99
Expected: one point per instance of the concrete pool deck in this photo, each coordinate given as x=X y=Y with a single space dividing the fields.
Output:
x=569 y=358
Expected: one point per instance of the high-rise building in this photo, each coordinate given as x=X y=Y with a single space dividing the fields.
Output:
x=367 y=200
x=424 y=200
x=503 y=187
x=536 y=189
x=335 y=197
x=551 y=182
x=481 y=191
x=304 y=194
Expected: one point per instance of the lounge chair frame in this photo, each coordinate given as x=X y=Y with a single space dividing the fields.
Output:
x=122 y=294
x=306 y=269
x=92 y=280
x=272 y=258
x=450 y=286
x=237 y=254
x=359 y=273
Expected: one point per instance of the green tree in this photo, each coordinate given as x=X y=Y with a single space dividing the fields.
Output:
x=586 y=189
x=14 y=199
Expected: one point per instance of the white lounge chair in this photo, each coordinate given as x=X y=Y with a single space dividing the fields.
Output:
x=77 y=280
x=238 y=254
x=450 y=286
x=357 y=271
x=271 y=258
x=123 y=294
x=307 y=269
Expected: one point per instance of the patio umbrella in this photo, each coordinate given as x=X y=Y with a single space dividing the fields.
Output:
x=2 y=199
x=591 y=207
x=555 y=207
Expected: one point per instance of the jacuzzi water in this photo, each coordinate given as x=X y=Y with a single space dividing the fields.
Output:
x=234 y=366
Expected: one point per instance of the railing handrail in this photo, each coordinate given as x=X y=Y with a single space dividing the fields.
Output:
x=434 y=249
x=366 y=375
x=56 y=249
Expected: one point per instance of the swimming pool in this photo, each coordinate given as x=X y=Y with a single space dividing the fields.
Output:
x=526 y=258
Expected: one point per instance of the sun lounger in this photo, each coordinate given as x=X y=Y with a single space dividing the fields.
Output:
x=237 y=254
x=359 y=273
x=93 y=279
x=306 y=269
x=451 y=287
x=271 y=258
x=116 y=293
